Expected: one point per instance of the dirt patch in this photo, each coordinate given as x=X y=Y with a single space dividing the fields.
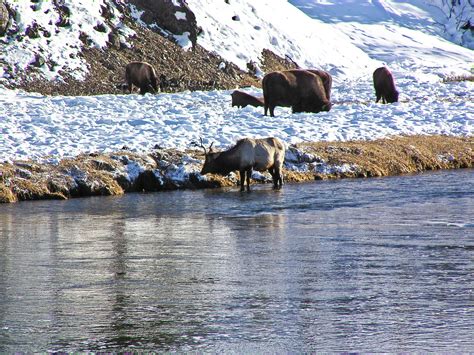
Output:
x=160 y=170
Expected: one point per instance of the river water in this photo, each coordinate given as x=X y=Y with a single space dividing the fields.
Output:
x=369 y=265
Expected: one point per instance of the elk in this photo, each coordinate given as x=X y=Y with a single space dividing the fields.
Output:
x=245 y=156
x=142 y=75
x=299 y=89
x=384 y=86
x=242 y=99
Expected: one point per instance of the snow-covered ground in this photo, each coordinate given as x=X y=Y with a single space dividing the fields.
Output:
x=36 y=126
x=350 y=39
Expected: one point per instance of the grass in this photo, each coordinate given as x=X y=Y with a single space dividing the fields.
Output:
x=92 y=175
x=457 y=78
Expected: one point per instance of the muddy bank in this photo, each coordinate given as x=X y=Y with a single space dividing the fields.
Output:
x=121 y=172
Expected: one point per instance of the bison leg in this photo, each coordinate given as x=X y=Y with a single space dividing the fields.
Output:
x=265 y=109
x=272 y=111
x=151 y=89
x=249 y=175
x=242 y=180
x=378 y=97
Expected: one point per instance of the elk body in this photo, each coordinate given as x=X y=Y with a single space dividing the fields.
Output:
x=143 y=76
x=301 y=90
x=242 y=99
x=384 y=86
x=247 y=155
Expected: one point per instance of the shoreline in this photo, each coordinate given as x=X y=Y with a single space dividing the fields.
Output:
x=168 y=169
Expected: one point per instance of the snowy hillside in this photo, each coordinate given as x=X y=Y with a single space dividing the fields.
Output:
x=50 y=36
x=350 y=39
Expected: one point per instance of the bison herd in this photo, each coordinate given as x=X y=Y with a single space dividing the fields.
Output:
x=303 y=90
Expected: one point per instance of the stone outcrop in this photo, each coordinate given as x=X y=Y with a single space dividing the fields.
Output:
x=177 y=19
x=4 y=18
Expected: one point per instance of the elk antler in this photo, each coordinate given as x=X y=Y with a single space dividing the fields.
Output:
x=206 y=151
x=202 y=146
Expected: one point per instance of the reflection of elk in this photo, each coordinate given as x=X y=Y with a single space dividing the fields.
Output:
x=301 y=90
x=242 y=99
x=142 y=75
x=248 y=154
x=384 y=85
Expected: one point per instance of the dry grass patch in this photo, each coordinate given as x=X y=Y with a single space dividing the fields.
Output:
x=117 y=173
x=397 y=155
x=6 y=195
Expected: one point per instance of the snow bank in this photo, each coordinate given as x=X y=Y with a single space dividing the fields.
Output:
x=35 y=126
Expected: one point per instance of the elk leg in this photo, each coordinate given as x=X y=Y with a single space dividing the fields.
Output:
x=242 y=180
x=274 y=177
x=279 y=178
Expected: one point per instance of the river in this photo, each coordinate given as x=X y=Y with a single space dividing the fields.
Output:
x=364 y=265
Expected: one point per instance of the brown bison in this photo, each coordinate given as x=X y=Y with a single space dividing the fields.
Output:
x=326 y=78
x=142 y=75
x=248 y=154
x=242 y=99
x=301 y=90
x=384 y=85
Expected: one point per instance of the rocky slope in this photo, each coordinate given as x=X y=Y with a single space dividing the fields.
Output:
x=151 y=35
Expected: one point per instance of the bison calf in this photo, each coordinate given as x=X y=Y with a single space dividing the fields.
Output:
x=143 y=76
x=384 y=86
x=248 y=154
x=242 y=99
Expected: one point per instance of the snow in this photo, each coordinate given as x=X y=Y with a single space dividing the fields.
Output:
x=36 y=126
x=349 y=39
x=60 y=45
x=277 y=25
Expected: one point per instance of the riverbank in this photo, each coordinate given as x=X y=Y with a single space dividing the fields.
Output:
x=168 y=169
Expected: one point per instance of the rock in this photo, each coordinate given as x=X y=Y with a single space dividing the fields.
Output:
x=4 y=18
x=114 y=40
x=39 y=61
x=176 y=19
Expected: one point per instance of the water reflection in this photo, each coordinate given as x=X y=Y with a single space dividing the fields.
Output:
x=358 y=265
